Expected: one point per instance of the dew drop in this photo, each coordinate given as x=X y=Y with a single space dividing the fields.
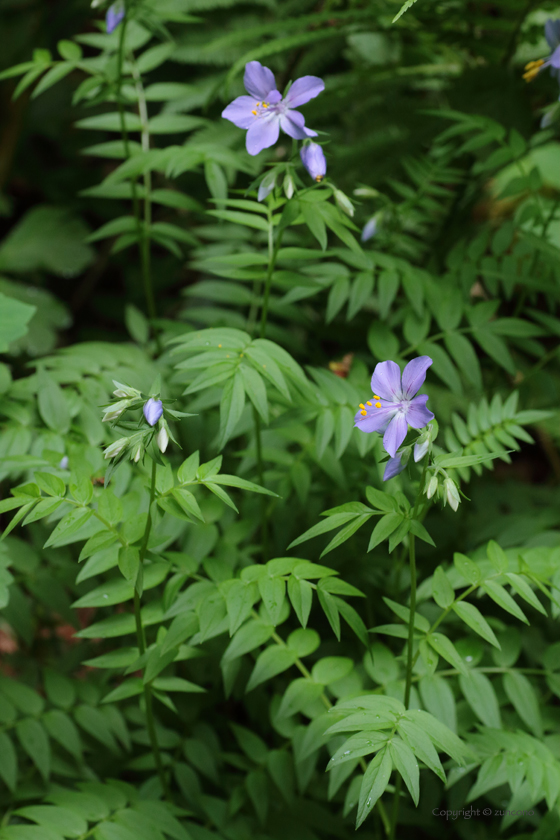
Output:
x=105 y=596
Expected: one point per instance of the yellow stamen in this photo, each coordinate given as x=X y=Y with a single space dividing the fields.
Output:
x=532 y=69
x=219 y=345
x=364 y=413
x=318 y=178
x=361 y=405
x=265 y=104
x=254 y=112
x=369 y=402
x=375 y=397
x=378 y=405
x=258 y=103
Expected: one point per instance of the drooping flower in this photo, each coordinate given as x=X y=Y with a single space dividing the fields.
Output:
x=314 y=160
x=395 y=405
x=432 y=487
x=263 y=113
x=162 y=439
x=451 y=493
x=370 y=229
x=394 y=466
x=267 y=185
x=115 y=14
x=552 y=35
x=153 y=409
x=116 y=448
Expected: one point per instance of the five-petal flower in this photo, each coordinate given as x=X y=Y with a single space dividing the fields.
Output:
x=395 y=405
x=263 y=113
x=552 y=34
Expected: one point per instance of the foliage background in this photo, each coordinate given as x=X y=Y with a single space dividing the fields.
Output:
x=430 y=121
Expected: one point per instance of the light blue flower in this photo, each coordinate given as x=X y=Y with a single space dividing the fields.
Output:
x=153 y=409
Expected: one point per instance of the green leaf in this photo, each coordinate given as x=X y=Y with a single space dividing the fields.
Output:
x=68 y=525
x=231 y=407
x=381 y=501
x=497 y=556
x=503 y=599
x=384 y=528
x=300 y=694
x=522 y=696
x=524 y=591
x=35 y=742
x=8 y=762
x=52 y=404
x=331 y=668
x=63 y=820
x=301 y=596
x=421 y=745
x=256 y=390
x=472 y=616
x=376 y=779
x=14 y=318
x=270 y=662
x=481 y=697
x=442 y=645
x=329 y=605
x=442 y=591
x=333 y=521
x=314 y=222
x=466 y=568
x=437 y=697
x=405 y=762
x=240 y=598
x=273 y=593
x=129 y=562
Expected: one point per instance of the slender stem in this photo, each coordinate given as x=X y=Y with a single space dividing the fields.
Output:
x=260 y=471
x=142 y=643
x=409 y=659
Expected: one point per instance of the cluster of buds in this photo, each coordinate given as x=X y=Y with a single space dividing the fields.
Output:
x=153 y=425
x=448 y=490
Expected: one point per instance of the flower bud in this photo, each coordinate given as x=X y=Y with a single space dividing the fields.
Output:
x=288 y=186
x=116 y=448
x=153 y=409
x=267 y=185
x=125 y=391
x=162 y=439
x=421 y=447
x=370 y=229
x=451 y=493
x=432 y=486
x=115 y=410
x=63 y=463
x=115 y=14
x=344 y=202
x=313 y=158
x=137 y=453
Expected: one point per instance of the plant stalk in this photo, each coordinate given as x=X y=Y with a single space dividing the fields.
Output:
x=142 y=643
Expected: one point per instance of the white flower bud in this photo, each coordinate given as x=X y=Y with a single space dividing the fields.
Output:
x=116 y=448
x=432 y=486
x=288 y=186
x=421 y=447
x=115 y=410
x=162 y=439
x=451 y=493
x=137 y=453
x=344 y=202
x=125 y=391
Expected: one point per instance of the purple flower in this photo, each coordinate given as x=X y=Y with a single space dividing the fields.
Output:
x=370 y=229
x=395 y=406
x=153 y=409
x=314 y=160
x=552 y=34
x=115 y=14
x=263 y=113
x=394 y=467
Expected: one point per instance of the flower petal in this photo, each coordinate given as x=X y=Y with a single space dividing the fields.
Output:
x=376 y=420
x=258 y=80
x=418 y=415
x=552 y=33
x=239 y=112
x=395 y=434
x=393 y=468
x=293 y=124
x=304 y=89
x=555 y=58
x=414 y=375
x=262 y=134
x=386 y=381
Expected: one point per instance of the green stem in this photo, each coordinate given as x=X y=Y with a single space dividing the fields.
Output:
x=260 y=471
x=142 y=643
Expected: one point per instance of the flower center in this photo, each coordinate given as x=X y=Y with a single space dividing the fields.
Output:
x=257 y=111
x=532 y=69
x=363 y=411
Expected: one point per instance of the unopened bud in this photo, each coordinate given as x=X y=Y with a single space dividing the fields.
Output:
x=137 y=453
x=421 y=447
x=344 y=202
x=153 y=409
x=288 y=186
x=432 y=487
x=267 y=185
x=116 y=448
x=115 y=410
x=125 y=391
x=162 y=439
x=451 y=493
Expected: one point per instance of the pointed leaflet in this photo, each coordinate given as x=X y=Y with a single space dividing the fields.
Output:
x=231 y=407
x=376 y=779
x=405 y=762
x=472 y=616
